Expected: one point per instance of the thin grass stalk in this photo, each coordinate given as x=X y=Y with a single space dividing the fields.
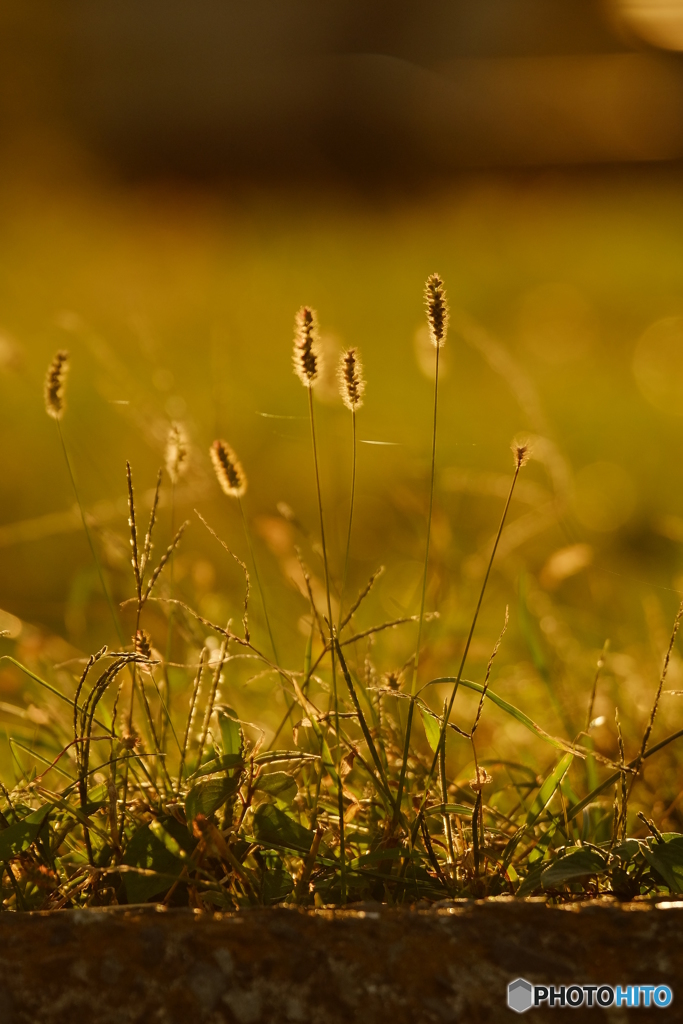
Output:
x=662 y=679
x=86 y=528
x=342 y=858
x=413 y=685
x=521 y=455
x=212 y=699
x=448 y=828
x=289 y=705
x=362 y=722
x=169 y=633
x=190 y=716
x=351 y=506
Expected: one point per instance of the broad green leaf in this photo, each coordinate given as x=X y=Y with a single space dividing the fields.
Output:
x=271 y=825
x=667 y=860
x=531 y=882
x=279 y=785
x=231 y=731
x=545 y=793
x=432 y=729
x=576 y=863
x=18 y=837
x=165 y=837
x=145 y=850
x=277 y=885
x=206 y=797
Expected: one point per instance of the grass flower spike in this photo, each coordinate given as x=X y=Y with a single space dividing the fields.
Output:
x=522 y=453
x=55 y=383
x=177 y=452
x=228 y=469
x=351 y=382
x=437 y=310
x=307 y=360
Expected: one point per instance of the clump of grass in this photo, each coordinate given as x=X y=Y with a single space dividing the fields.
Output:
x=200 y=807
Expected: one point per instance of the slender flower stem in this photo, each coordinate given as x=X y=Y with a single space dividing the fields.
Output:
x=348 y=536
x=413 y=686
x=334 y=670
x=89 y=535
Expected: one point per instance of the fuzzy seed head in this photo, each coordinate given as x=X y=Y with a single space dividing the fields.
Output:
x=437 y=310
x=54 y=385
x=521 y=451
x=177 y=452
x=351 y=382
x=143 y=644
x=307 y=358
x=228 y=469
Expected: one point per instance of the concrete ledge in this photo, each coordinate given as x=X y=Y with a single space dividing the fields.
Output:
x=375 y=965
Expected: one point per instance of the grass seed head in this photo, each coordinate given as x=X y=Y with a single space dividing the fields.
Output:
x=55 y=382
x=437 y=310
x=143 y=644
x=307 y=358
x=177 y=452
x=521 y=449
x=351 y=382
x=228 y=469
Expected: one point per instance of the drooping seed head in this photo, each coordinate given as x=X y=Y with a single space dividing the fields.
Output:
x=143 y=644
x=307 y=358
x=521 y=451
x=177 y=452
x=55 y=382
x=437 y=310
x=351 y=382
x=228 y=469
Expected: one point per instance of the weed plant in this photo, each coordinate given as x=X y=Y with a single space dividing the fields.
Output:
x=123 y=796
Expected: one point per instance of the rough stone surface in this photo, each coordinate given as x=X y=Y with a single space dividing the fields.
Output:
x=374 y=965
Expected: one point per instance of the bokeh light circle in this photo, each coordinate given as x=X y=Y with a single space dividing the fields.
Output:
x=658 y=364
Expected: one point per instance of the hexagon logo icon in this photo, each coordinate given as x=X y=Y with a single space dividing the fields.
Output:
x=520 y=995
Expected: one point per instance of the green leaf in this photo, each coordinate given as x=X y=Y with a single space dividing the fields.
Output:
x=509 y=709
x=450 y=809
x=545 y=793
x=277 y=885
x=271 y=756
x=167 y=840
x=226 y=763
x=279 y=785
x=207 y=797
x=432 y=729
x=231 y=731
x=531 y=882
x=271 y=825
x=18 y=837
x=146 y=850
x=576 y=863
x=667 y=860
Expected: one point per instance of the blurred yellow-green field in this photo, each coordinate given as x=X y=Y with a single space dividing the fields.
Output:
x=177 y=303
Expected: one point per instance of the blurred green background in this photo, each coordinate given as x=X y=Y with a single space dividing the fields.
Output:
x=176 y=296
